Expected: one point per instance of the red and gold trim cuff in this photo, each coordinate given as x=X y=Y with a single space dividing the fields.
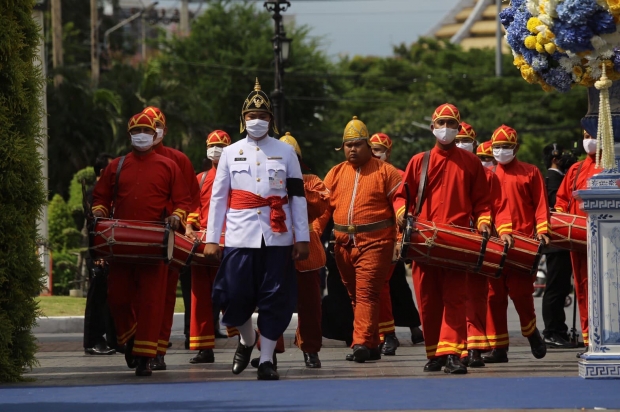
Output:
x=181 y=214
x=102 y=209
x=542 y=228
x=484 y=219
x=505 y=229
x=400 y=211
x=559 y=209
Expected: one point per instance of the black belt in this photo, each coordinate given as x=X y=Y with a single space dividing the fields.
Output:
x=371 y=227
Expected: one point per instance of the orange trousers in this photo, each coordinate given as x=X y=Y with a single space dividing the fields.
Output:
x=170 y=299
x=476 y=312
x=135 y=296
x=364 y=273
x=386 y=318
x=520 y=288
x=442 y=296
x=580 y=270
x=201 y=328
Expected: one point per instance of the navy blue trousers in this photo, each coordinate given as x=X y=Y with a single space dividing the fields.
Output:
x=257 y=278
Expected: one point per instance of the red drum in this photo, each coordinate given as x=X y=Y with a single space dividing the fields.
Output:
x=447 y=246
x=187 y=252
x=130 y=241
x=569 y=232
x=524 y=256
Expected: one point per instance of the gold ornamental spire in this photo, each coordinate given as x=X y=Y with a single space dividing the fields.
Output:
x=257 y=86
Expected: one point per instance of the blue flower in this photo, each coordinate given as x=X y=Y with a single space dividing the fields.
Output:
x=576 y=12
x=558 y=78
x=616 y=60
x=506 y=16
x=602 y=22
x=574 y=38
x=539 y=63
x=517 y=31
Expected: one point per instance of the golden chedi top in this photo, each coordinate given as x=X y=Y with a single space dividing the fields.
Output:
x=257 y=101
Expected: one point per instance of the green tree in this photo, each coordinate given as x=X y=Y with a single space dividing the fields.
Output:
x=21 y=187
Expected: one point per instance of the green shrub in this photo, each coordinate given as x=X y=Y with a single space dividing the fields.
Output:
x=59 y=221
x=75 y=187
x=21 y=187
x=64 y=269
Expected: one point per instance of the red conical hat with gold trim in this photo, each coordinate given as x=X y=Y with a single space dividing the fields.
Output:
x=466 y=131
x=504 y=134
x=485 y=149
x=382 y=139
x=141 y=120
x=155 y=114
x=218 y=137
x=447 y=111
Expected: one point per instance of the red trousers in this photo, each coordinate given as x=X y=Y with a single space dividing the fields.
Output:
x=386 y=318
x=441 y=295
x=309 y=336
x=580 y=270
x=170 y=299
x=520 y=288
x=201 y=328
x=363 y=273
x=135 y=296
x=476 y=313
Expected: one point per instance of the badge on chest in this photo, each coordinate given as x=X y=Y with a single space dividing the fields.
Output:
x=276 y=182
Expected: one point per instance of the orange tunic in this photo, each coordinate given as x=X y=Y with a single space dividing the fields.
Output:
x=564 y=197
x=523 y=185
x=317 y=198
x=361 y=196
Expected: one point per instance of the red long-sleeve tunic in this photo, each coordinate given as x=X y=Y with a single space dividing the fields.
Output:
x=187 y=171
x=500 y=207
x=564 y=197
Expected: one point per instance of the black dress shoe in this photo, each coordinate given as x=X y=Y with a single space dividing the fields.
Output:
x=101 y=348
x=203 y=356
x=312 y=360
x=266 y=372
x=496 y=356
x=537 y=345
x=416 y=335
x=143 y=367
x=375 y=354
x=474 y=359
x=360 y=353
x=582 y=353
x=435 y=364
x=256 y=361
x=454 y=366
x=242 y=356
x=158 y=363
x=390 y=344
x=129 y=358
x=557 y=341
x=169 y=344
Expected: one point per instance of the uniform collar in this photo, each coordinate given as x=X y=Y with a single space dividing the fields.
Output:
x=445 y=153
x=262 y=142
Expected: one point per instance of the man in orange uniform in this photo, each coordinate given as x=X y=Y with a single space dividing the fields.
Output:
x=577 y=179
x=523 y=185
x=139 y=186
x=478 y=285
x=189 y=177
x=456 y=192
x=361 y=193
x=202 y=329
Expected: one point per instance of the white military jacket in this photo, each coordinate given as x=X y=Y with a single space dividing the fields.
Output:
x=261 y=167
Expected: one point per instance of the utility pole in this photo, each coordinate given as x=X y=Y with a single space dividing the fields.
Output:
x=498 y=46
x=143 y=27
x=184 y=20
x=57 y=59
x=94 y=43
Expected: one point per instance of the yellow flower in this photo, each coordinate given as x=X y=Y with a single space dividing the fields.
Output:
x=528 y=74
x=519 y=61
x=530 y=42
x=545 y=86
x=533 y=23
x=614 y=6
x=578 y=71
x=540 y=48
x=550 y=48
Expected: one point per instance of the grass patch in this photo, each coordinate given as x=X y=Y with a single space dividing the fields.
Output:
x=68 y=306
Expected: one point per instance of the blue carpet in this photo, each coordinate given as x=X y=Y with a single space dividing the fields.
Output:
x=304 y=395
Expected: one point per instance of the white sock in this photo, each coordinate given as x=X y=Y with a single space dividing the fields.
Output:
x=267 y=346
x=247 y=333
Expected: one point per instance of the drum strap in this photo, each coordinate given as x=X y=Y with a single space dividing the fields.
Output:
x=570 y=201
x=118 y=175
x=422 y=187
x=202 y=180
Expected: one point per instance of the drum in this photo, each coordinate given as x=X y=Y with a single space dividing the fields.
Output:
x=525 y=256
x=446 y=246
x=188 y=253
x=569 y=232
x=130 y=241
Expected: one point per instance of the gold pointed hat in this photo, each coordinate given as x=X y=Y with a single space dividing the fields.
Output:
x=354 y=130
x=287 y=138
x=257 y=101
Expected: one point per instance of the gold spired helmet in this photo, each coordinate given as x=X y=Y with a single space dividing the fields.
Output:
x=354 y=130
x=257 y=101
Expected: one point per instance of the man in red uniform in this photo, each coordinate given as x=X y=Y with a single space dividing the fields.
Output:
x=477 y=285
x=523 y=185
x=189 y=177
x=361 y=193
x=484 y=151
x=577 y=179
x=202 y=329
x=456 y=192
x=140 y=186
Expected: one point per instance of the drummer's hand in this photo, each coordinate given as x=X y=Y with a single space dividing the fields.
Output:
x=174 y=221
x=301 y=250
x=485 y=228
x=98 y=213
x=401 y=221
x=189 y=232
x=396 y=253
x=212 y=250
x=543 y=238
x=508 y=240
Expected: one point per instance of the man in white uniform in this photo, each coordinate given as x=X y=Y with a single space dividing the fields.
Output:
x=258 y=193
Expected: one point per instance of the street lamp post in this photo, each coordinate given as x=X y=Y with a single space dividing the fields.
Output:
x=281 y=49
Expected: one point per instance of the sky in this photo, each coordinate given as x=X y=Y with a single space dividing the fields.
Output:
x=364 y=27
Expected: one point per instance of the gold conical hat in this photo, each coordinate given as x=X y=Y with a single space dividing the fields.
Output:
x=355 y=129
x=287 y=138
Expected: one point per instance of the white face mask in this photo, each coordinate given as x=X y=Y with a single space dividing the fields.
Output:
x=589 y=145
x=488 y=164
x=257 y=128
x=159 y=137
x=142 y=141
x=445 y=135
x=503 y=156
x=214 y=153
x=469 y=146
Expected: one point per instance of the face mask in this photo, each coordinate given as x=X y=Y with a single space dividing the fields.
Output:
x=589 y=145
x=159 y=137
x=488 y=164
x=503 y=156
x=142 y=141
x=466 y=146
x=256 y=128
x=445 y=135
x=382 y=156
x=214 y=153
